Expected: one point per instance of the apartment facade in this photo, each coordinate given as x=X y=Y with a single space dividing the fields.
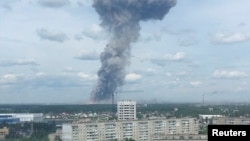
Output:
x=139 y=130
x=126 y=110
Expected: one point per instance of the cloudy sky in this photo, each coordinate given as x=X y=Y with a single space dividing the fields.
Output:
x=49 y=53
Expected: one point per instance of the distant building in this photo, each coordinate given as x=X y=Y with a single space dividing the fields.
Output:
x=204 y=117
x=8 y=119
x=3 y=132
x=231 y=120
x=21 y=117
x=139 y=130
x=183 y=137
x=126 y=110
x=207 y=119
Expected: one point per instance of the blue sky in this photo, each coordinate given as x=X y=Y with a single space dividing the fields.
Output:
x=49 y=53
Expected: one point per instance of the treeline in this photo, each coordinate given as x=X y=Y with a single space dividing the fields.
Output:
x=178 y=110
x=29 y=131
x=54 y=108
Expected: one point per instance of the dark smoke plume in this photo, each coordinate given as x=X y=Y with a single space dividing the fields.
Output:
x=121 y=18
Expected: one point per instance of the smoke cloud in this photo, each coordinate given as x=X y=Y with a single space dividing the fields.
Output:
x=121 y=18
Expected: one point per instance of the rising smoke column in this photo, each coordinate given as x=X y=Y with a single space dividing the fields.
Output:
x=121 y=18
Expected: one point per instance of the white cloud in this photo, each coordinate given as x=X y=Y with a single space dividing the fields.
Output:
x=82 y=3
x=78 y=37
x=175 y=57
x=182 y=73
x=86 y=76
x=42 y=80
x=229 y=74
x=19 y=62
x=188 y=41
x=151 y=70
x=168 y=74
x=51 y=35
x=83 y=75
x=162 y=61
x=224 y=38
x=5 y=7
x=150 y=37
x=195 y=83
x=38 y=74
x=133 y=77
x=54 y=3
x=95 y=32
x=88 y=55
x=7 y=79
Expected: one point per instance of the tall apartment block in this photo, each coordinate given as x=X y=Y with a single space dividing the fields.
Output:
x=126 y=110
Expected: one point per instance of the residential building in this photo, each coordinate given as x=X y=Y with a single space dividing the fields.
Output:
x=139 y=130
x=126 y=110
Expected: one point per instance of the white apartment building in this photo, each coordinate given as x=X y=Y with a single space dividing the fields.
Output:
x=126 y=110
x=139 y=130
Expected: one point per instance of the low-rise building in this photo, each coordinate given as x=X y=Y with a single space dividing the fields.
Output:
x=21 y=117
x=231 y=120
x=8 y=119
x=204 y=117
x=183 y=137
